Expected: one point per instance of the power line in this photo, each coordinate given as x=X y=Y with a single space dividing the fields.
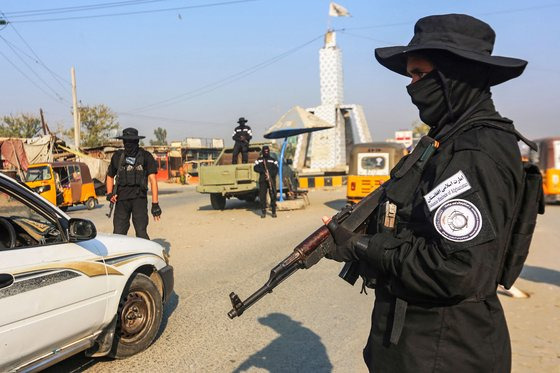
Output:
x=57 y=78
x=38 y=62
x=138 y=12
x=168 y=119
x=28 y=78
x=32 y=70
x=226 y=80
x=81 y=8
x=497 y=12
x=344 y=32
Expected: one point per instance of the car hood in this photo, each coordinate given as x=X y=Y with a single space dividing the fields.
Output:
x=110 y=245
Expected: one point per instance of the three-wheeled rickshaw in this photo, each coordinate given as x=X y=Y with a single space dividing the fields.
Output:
x=63 y=184
x=369 y=167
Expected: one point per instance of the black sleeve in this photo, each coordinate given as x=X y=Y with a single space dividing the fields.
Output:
x=114 y=164
x=258 y=167
x=249 y=133
x=435 y=266
x=236 y=135
x=150 y=163
x=273 y=168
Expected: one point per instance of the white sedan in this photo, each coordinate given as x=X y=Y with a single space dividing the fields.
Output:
x=65 y=289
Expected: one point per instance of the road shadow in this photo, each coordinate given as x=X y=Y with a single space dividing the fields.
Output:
x=336 y=204
x=297 y=349
x=162 y=192
x=540 y=274
x=235 y=204
x=166 y=245
x=84 y=208
x=170 y=307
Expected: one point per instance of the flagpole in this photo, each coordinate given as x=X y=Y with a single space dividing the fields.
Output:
x=329 y=20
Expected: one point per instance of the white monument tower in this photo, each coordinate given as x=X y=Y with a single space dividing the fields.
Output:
x=326 y=151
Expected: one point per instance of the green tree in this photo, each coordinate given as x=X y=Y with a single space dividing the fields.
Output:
x=22 y=125
x=161 y=137
x=97 y=123
x=420 y=129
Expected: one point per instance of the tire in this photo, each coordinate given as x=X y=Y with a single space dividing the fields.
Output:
x=217 y=201
x=63 y=208
x=142 y=309
x=90 y=203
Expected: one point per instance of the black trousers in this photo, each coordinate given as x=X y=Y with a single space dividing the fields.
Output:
x=242 y=147
x=263 y=189
x=138 y=208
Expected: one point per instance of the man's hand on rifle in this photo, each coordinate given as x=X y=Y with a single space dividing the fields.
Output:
x=350 y=246
x=112 y=197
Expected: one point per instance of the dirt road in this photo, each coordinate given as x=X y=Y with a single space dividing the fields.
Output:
x=314 y=322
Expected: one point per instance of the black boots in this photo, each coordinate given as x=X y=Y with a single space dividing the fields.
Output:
x=273 y=213
x=263 y=214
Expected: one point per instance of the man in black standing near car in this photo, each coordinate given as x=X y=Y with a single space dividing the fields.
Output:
x=242 y=135
x=267 y=168
x=436 y=271
x=129 y=172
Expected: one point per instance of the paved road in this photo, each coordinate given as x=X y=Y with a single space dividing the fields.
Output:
x=314 y=322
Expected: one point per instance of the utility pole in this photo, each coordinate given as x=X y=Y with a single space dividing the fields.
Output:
x=76 y=111
x=45 y=128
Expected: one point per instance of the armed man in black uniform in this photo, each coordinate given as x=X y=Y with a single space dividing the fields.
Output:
x=436 y=271
x=242 y=135
x=267 y=167
x=129 y=172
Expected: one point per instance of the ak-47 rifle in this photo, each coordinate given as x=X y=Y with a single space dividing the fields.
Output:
x=319 y=243
x=111 y=203
x=271 y=189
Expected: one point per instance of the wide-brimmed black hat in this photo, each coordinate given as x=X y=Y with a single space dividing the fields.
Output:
x=459 y=34
x=130 y=134
x=242 y=120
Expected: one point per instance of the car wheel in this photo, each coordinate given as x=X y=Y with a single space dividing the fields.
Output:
x=139 y=317
x=90 y=203
x=217 y=201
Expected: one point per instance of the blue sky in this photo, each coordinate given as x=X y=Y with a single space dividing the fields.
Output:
x=134 y=61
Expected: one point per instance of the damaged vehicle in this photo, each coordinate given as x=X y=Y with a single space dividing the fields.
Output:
x=66 y=289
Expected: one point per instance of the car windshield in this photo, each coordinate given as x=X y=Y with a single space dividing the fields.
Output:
x=30 y=227
x=38 y=173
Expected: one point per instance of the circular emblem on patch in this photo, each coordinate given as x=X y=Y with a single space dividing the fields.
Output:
x=458 y=220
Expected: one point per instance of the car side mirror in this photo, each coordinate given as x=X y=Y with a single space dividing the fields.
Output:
x=81 y=230
x=290 y=161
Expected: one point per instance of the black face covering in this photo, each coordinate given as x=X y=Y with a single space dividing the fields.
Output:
x=456 y=92
x=131 y=147
x=428 y=96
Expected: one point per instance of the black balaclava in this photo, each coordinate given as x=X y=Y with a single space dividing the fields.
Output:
x=266 y=151
x=457 y=91
x=131 y=147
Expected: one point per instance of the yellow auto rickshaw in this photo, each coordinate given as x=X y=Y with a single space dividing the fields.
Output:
x=64 y=184
x=548 y=160
x=369 y=167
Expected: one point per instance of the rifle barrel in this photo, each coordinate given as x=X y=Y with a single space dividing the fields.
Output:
x=282 y=271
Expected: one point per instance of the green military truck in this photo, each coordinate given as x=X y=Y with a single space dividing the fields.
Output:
x=224 y=180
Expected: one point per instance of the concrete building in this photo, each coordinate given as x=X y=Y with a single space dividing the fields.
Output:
x=326 y=152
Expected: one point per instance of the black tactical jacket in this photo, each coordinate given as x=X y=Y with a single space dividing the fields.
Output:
x=445 y=260
x=242 y=134
x=271 y=165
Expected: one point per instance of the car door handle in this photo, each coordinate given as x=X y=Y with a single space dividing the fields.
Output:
x=6 y=280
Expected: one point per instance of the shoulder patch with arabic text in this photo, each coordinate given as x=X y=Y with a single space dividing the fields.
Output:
x=446 y=190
